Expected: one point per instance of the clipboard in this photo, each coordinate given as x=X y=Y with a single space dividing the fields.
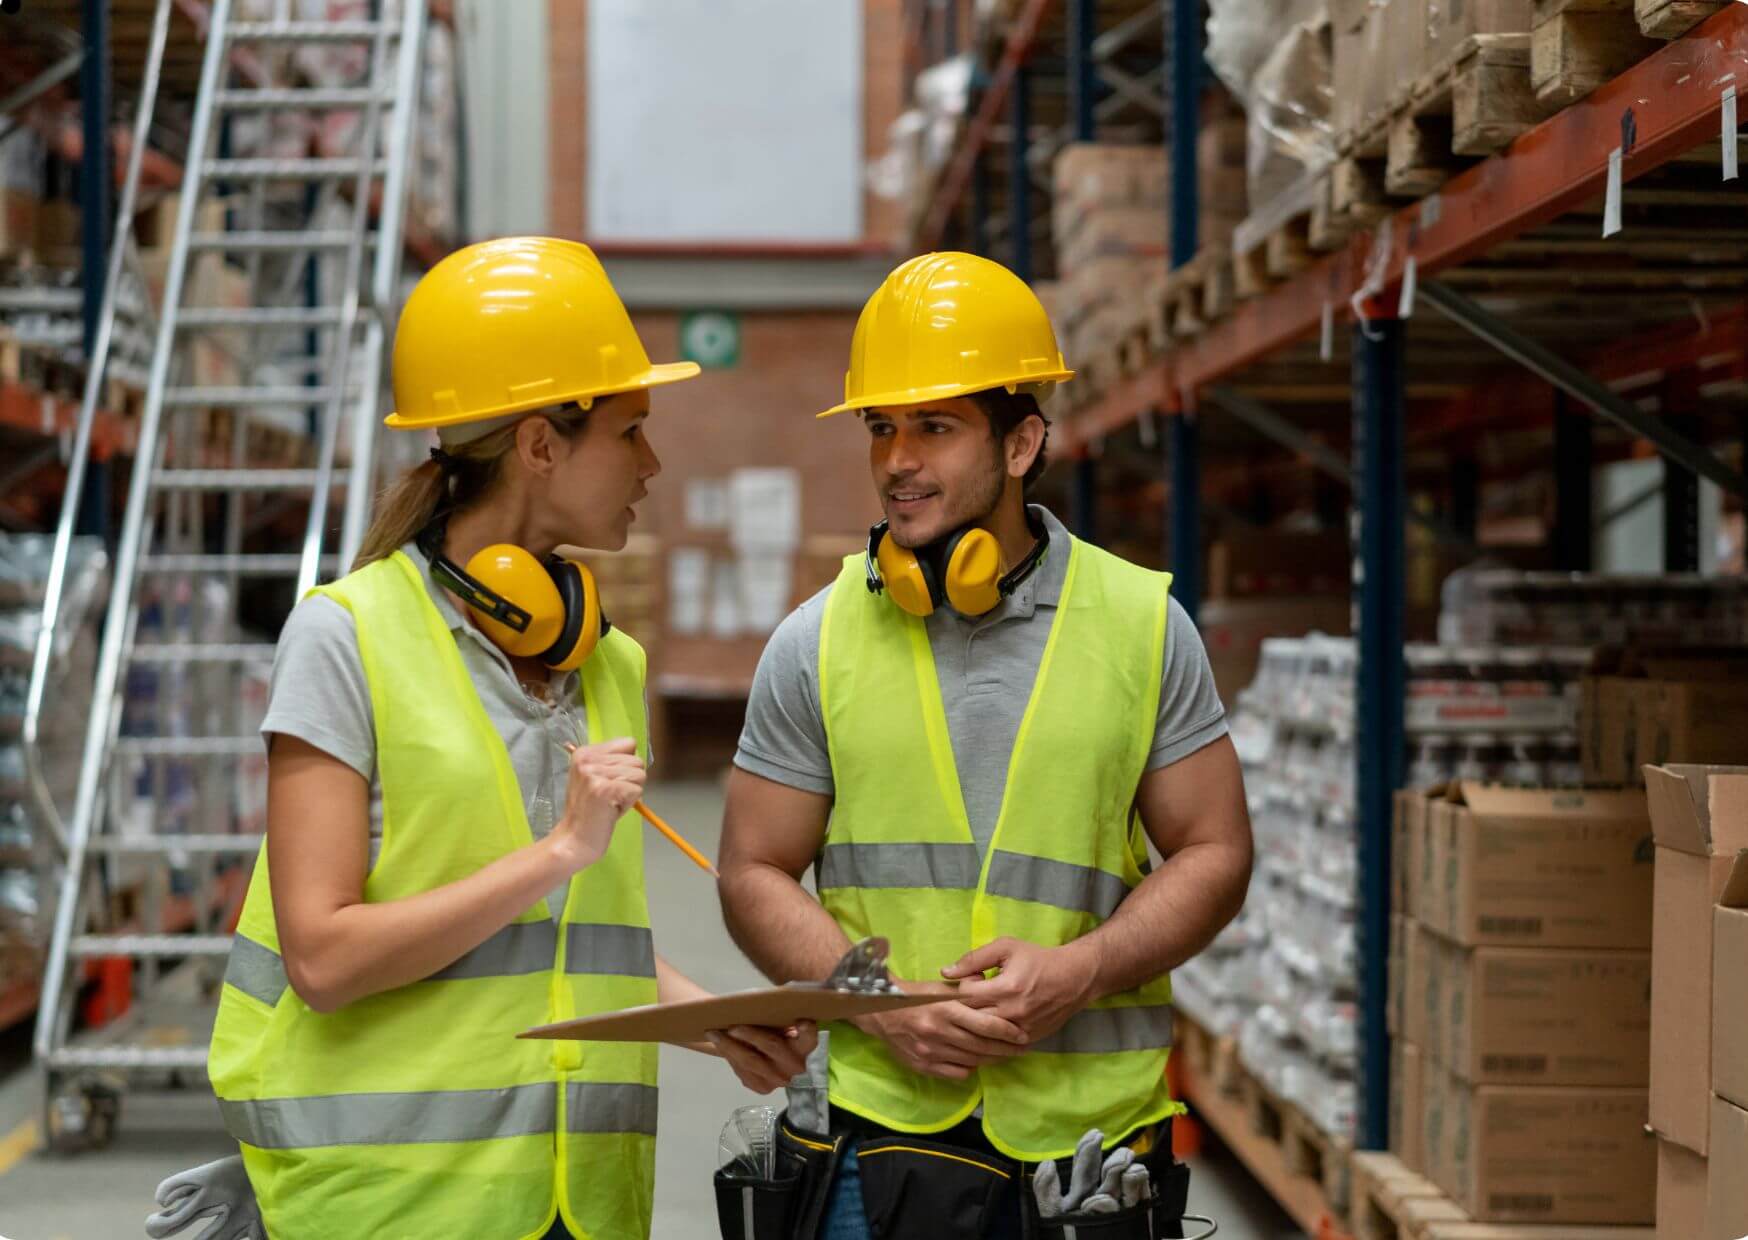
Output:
x=859 y=986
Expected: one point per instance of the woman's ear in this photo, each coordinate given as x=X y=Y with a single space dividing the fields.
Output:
x=537 y=446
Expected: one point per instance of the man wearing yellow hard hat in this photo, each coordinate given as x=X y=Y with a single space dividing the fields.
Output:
x=456 y=737
x=971 y=737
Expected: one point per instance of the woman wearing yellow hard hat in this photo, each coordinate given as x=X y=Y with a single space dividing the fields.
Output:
x=456 y=735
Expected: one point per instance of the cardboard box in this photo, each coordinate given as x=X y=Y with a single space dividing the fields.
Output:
x=1681 y=1192
x=1699 y=816
x=1659 y=705
x=1727 y=1195
x=1452 y=22
x=1394 y=976
x=1409 y=858
x=1730 y=988
x=1547 y=1153
x=1347 y=15
x=1408 y=1100
x=1524 y=867
x=1404 y=44
x=1542 y=1015
x=18 y=210
x=1423 y=997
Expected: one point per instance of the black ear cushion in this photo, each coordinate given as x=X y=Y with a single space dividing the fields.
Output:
x=572 y=594
x=932 y=560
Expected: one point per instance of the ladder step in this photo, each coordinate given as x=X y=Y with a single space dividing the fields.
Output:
x=288 y=169
x=274 y=241
x=301 y=97
x=306 y=32
x=219 y=397
x=128 y=1057
x=204 y=652
x=240 y=565
x=226 y=845
x=204 y=317
x=190 y=746
x=151 y=945
x=243 y=479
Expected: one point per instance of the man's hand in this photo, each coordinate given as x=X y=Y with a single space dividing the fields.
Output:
x=949 y=1040
x=1036 y=988
x=766 y=1059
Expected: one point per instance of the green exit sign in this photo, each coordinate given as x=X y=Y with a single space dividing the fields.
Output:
x=711 y=338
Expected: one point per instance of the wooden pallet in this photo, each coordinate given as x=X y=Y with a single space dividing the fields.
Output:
x=1577 y=45
x=1212 y=1057
x=1670 y=19
x=1391 y=1202
x=1305 y=1149
x=1467 y=107
x=1198 y=293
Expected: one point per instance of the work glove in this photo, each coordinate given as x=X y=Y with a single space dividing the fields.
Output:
x=219 y=1191
x=1047 y=1190
x=1099 y=1203
x=1088 y=1170
x=1137 y=1185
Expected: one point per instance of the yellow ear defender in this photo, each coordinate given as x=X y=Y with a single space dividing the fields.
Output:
x=964 y=571
x=541 y=609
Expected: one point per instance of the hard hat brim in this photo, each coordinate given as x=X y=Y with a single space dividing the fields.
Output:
x=657 y=375
x=942 y=391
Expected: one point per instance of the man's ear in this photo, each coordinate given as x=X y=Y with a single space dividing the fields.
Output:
x=1023 y=444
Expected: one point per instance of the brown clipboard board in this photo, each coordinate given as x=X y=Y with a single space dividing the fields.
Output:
x=772 y=1007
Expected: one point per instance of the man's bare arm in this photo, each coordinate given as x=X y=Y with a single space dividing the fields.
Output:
x=1195 y=814
x=770 y=835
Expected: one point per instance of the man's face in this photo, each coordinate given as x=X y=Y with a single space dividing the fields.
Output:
x=936 y=467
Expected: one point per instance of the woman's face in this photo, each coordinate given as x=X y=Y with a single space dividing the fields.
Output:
x=600 y=474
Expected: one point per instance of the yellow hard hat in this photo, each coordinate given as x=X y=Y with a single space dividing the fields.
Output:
x=945 y=325
x=505 y=326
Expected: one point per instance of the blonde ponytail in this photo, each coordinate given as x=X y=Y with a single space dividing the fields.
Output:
x=466 y=473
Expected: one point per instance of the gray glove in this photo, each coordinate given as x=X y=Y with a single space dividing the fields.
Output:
x=1137 y=1185
x=219 y=1191
x=1111 y=1176
x=1088 y=1170
x=1047 y=1190
x=1099 y=1203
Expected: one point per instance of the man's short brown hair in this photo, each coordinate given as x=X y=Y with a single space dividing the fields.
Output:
x=1005 y=411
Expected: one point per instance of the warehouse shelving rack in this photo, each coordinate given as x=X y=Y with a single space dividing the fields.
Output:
x=1522 y=322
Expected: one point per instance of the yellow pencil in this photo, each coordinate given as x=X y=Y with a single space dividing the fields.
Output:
x=678 y=840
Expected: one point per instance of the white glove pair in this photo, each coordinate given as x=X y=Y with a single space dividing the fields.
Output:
x=219 y=1191
x=1094 y=1186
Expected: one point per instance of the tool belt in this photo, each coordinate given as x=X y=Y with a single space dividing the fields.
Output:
x=915 y=1187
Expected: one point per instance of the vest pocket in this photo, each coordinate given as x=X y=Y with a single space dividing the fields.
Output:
x=912 y=1187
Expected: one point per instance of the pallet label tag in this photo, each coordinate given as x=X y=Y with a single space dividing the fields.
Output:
x=1405 y=304
x=1728 y=112
x=1611 y=205
x=1326 y=341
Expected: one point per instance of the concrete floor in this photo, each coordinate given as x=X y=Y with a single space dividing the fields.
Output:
x=106 y=1196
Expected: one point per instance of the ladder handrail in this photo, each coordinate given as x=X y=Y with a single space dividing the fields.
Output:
x=40 y=798
x=385 y=276
x=103 y=703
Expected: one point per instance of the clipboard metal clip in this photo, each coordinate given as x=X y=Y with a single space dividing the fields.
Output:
x=862 y=970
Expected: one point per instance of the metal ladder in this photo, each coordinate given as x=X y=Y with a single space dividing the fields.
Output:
x=324 y=282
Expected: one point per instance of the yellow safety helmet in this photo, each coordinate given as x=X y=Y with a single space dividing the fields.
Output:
x=944 y=325
x=520 y=323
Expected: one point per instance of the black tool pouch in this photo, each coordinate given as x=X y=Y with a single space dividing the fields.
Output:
x=1160 y=1218
x=913 y=1188
x=790 y=1205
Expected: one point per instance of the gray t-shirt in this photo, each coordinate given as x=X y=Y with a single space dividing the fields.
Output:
x=319 y=694
x=986 y=667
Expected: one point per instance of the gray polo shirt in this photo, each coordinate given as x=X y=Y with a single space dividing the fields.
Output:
x=319 y=694
x=986 y=668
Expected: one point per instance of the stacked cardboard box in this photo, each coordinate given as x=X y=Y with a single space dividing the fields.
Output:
x=1110 y=226
x=1647 y=707
x=1699 y=999
x=1521 y=1003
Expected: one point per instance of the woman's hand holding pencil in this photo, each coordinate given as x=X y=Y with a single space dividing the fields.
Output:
x=648 y=814
x=605 y=781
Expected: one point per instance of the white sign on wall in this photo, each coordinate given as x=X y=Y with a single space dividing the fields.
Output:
x=724 y=120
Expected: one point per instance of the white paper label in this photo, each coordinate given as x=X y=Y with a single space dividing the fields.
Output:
x=1729 y=133
x=1611 y=206
x=1405 y=304
x=1326 y=341
x=1431 y=210
x=1148 y=427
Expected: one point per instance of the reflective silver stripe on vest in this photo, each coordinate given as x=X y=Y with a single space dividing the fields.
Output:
x=515 y=950
x=1104 y=1031
x=392 y=1119
x=899 y=865
x=597 y=1107
x=623 y=951
x=1040 y=880
x=256 y=970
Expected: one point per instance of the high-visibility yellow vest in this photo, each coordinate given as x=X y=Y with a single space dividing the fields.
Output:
x=899 y=858
x=416 y=1113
